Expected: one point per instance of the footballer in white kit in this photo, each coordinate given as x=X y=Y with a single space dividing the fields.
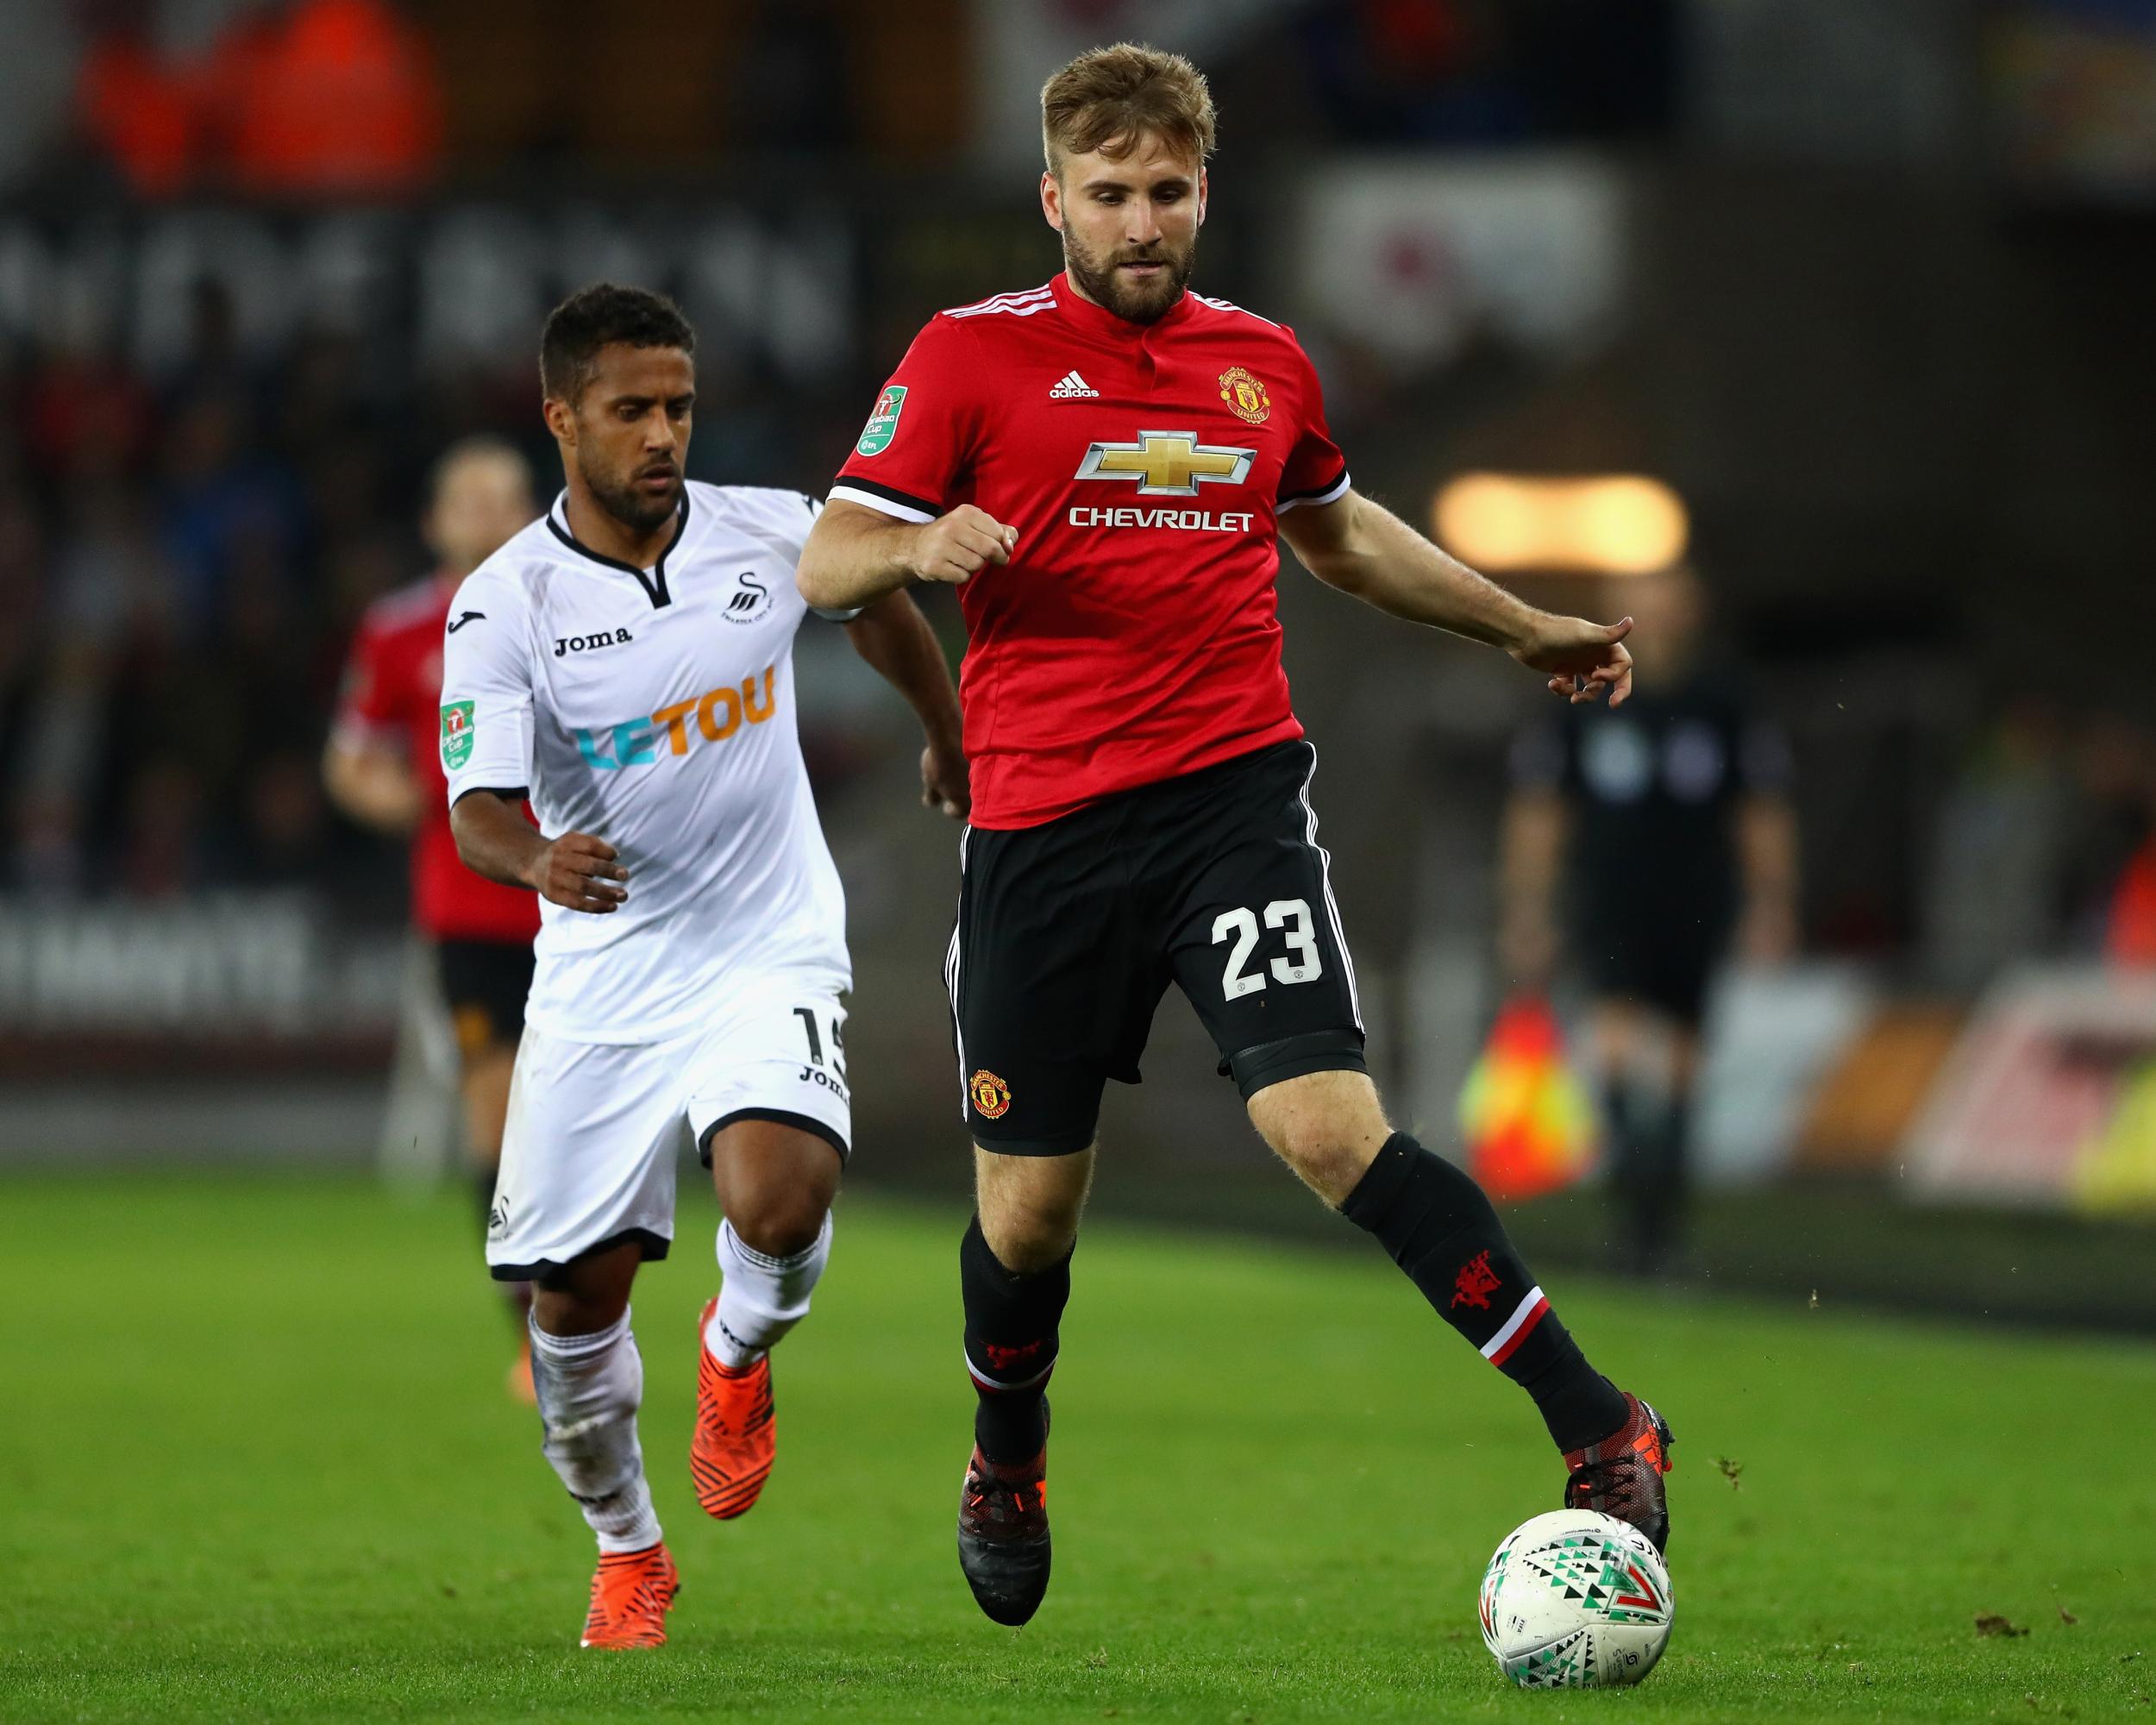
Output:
x=625 y=662
x=656 y=709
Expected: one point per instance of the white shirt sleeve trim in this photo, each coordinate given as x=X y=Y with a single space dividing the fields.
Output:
x=1330 y=494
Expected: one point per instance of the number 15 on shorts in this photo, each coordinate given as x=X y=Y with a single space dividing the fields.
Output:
x=1301 y=963
x=814 y=1071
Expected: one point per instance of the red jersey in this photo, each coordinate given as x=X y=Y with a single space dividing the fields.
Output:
x=391 y=699
x=1134 y=636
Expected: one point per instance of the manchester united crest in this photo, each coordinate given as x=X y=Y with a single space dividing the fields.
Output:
x=990 y=1095
x=1244 y=395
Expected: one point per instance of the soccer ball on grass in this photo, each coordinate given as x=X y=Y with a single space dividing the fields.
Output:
x=1575 y=1599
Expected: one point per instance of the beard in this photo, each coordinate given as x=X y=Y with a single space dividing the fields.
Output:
x=1135 y=301
x=638 y=510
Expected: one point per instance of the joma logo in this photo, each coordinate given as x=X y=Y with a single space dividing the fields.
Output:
x=566 y=645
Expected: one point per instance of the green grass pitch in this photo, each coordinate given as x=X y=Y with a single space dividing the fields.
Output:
x=257 y=1463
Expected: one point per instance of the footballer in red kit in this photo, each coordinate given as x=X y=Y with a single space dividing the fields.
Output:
x=1118 y=456
x=1104 y=466
x=383 y=768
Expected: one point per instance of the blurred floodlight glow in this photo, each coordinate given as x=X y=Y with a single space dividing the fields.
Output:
x=1610 y=523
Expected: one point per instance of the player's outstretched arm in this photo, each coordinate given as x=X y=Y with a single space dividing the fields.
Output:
x=1365 y=549
x=578 y=871
x=855 y=555
x=893 y=635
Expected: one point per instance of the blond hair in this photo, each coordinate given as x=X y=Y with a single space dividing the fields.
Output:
x=1109 y=99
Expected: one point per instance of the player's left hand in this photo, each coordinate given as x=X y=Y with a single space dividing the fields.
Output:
x=1583 y=659
x=944 y=784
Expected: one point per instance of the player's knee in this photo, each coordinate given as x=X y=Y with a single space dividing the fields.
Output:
x=778 y=1221
x=1027 y=1242
x=1030 y=1207
x=562 y=1311
x=1327 y=1159
x=1328 y=1127
x=1030 y=1230
x=587 y=1295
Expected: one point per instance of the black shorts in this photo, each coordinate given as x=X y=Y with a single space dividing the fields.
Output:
x=1069 y=932
x=484 y=983
x=1663 y=957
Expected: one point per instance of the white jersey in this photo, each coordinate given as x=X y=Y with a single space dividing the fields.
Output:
x=654 y=709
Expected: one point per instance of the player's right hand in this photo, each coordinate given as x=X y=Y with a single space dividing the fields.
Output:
x=955 y=547
x=578 y=871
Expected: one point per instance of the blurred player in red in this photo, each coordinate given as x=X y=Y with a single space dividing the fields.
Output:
x=383 y=768
x=1103 y=467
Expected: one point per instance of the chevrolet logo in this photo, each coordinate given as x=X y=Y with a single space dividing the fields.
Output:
x=1167 y=463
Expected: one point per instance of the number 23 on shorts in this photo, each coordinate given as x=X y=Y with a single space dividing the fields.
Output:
x=1301 y=963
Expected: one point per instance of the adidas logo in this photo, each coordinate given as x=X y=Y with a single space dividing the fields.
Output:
x=1070 y=386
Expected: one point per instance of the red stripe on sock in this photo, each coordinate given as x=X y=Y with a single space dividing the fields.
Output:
x=1519 y=1335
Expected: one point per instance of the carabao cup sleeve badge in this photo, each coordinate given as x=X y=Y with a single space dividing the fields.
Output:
x=456 y=734
x=883 y=423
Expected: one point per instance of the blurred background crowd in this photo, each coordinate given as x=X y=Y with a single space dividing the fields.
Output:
x=1865 y=287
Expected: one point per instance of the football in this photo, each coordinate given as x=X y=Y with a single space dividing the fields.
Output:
x=1575 y=1599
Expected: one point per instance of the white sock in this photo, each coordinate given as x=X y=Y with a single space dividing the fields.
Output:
x=761 y=1298
x=589 y=1388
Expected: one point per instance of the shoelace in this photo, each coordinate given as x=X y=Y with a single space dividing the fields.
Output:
x=1613 y=1481
x=982 y=1488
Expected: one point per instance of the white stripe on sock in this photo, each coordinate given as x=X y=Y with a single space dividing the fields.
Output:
x=999 y=1383
x=1523 y=1311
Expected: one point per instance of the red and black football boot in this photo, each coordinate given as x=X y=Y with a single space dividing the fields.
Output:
x=1003 y=1543
x=1622 y=1475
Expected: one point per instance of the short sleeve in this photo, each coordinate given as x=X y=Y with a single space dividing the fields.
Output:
x=1315 y=471
x=367 y=716
x=924 y=430
x=486 y=705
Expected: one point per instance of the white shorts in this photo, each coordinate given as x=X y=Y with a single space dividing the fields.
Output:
x=595 y=1129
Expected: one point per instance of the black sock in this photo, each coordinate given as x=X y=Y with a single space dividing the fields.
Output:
x=1441 y=1230
x=1010 y=1345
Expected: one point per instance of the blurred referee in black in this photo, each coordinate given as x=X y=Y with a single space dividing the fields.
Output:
x=1648 y=842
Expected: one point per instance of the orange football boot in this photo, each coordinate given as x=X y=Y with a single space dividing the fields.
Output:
x=735 y=1439
x=630 y=1597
